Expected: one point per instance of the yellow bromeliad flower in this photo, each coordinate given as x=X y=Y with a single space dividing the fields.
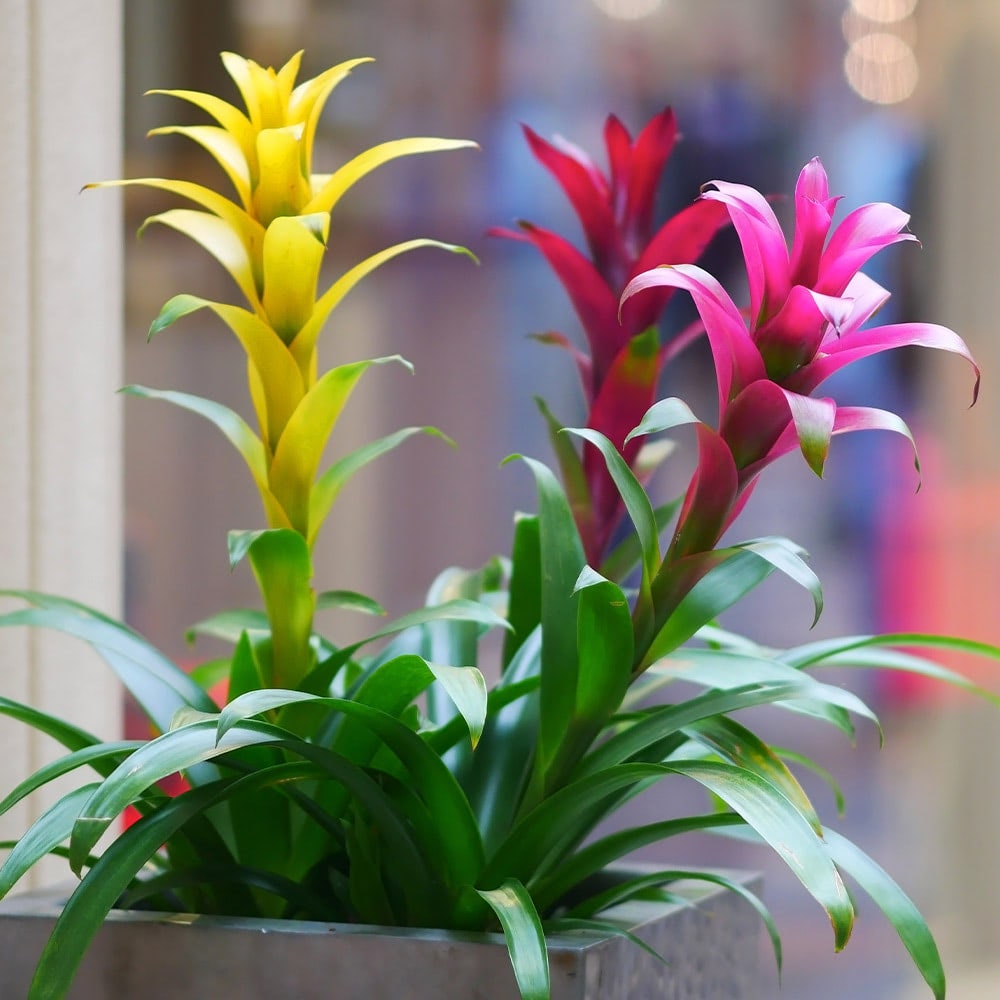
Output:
x=271 y=238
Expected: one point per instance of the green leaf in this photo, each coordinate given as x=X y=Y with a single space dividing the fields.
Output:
x=257 y=702
x=389 y=688
x=895 y=904
x=211 y=672
x=283 y=567
x=821 y=772
x=524 y=607
x=230 y=625
x=604 y=641
x=602 y=929
x=636 y=502
x=525 y=938
x=604 y=638
x=662 y=722
x=404 y=859
x=157 y=684
x=88 y=906
x=744 y=748
x=459 y=610
x=466 y=687
x=626 y=554
x=536 y=842
x=562 y=561
x=302 y=903
x=499 y=770
x=452 y=642
x=44 y=835
x=180 y=749
x=869 y=651
x=70 y=736
x=570 y=468
x=731 y=574
x=430 y=777
x=627 y=889
x=442 y=738
x=297 y=454
x=598 y=854
x=350 y=600
x=261 y=822
x=246 y=671
x=663 y=416
x=327 y=487
x=174 y=751
x=369 y=896
x=102 y=757
x=728 y=668
x=641 y=512
x=237 y=432
x=786 y=556
x=786 y=830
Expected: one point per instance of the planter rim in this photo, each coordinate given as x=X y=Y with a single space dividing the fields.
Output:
x=708 y=940
x=47 y=903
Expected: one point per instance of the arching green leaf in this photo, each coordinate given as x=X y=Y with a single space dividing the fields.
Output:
x=525 y=937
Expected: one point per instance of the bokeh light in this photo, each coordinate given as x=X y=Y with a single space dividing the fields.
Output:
x=855 y=26
x=881 y=68
x=628 y=10
x=884 y=11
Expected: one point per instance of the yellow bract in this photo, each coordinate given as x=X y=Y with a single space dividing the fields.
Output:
x=271 y=237
x=281 y=188
x=293 y=252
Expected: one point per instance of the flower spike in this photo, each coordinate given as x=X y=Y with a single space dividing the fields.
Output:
x=272 y=238
x=808 y=310
x=615 y=210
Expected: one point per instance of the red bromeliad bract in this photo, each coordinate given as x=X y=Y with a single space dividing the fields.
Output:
x=616 y=210
x=808 y=310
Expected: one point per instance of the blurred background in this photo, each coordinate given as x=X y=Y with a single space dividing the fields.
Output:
x=898 y=97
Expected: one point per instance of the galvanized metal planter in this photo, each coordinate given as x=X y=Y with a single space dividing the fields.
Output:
x=710 y=947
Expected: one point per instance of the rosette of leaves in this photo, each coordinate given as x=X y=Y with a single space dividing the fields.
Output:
x=393 y=787
x=299 y=799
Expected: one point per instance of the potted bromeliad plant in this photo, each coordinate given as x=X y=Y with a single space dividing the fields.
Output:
x=384 y=782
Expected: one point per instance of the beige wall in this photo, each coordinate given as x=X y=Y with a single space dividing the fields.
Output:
x=60 y=339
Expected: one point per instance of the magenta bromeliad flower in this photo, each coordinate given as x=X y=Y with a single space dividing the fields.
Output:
x=808 y=310
x=621 y=371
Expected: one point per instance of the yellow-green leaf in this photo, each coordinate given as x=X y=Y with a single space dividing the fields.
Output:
x=237 y=432
x=279 y=378
x=219 y=239
x=305 y=342
x=239 y=69
x=286 y=76
x=327 y=488
x=248 y=229
x=364 y=163
x=283 y=568
x=223 y=146
x=229 y=117
x=307 y=100
x=298 y=452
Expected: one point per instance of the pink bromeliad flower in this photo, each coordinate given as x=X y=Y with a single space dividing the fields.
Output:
x=620 y=373
x=808 y=308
